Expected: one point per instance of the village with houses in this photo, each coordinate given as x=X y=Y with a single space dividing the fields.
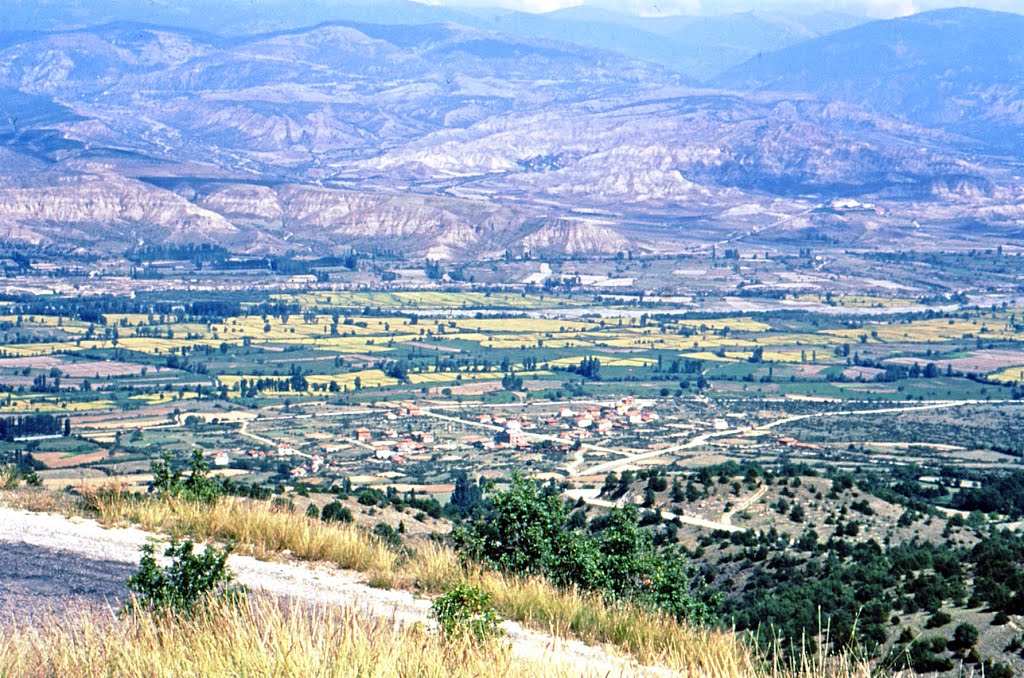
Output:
x=420 y=445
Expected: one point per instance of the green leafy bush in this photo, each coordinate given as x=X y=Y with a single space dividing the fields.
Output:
x=526 y=530
x=336 y=512
x=197 y=486
x=12 y=475
x=187 y=582
x=9 y=477
x=466 y=612
x=388 y=535
x=965 y=636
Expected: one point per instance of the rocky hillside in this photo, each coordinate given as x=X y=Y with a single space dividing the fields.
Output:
x=446 y=141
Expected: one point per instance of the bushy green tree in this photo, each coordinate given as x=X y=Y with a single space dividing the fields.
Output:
x=965 y=636
x=336 y=512
x=526 y=530
x=197 y=486
x=188 y=581
x=519 y=531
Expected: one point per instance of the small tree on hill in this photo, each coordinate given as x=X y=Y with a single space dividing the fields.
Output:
x=189 y=581
x=197 y=486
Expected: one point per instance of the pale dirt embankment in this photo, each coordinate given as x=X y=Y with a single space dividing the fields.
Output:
x=53 y=559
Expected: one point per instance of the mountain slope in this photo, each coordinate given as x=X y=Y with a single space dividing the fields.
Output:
x=698 y=47
x=438 y=140
x=959 y=69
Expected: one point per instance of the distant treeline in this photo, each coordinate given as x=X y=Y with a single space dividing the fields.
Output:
x=33 y=425
x=218 y=257
x=204 y=252
x=200 y=309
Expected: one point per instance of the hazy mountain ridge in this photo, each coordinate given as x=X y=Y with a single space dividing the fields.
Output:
x=699 y=47
x=959 y=69
x=446 y=139
x=718 y=140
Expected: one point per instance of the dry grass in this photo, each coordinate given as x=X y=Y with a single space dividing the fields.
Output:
x=254 y=527
x=650 y=638
x=260 y=637
x=36 y=500
x=257 y=529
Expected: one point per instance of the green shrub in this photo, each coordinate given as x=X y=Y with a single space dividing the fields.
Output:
x=998 y=670
x=198 y=486
x=187 y=582
x=466 y=612
x=388 y=534
x=525 y=530
x=368 y=498
x=335 y=512
x=965 y=636
x=11 y=475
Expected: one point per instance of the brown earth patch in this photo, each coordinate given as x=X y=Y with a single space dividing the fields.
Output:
x=79 y=369
x=475 y=388
x=857 y=372
x=56 y=460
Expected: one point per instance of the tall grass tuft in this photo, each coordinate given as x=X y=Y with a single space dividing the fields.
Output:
x=255 y=527
x=258 y=637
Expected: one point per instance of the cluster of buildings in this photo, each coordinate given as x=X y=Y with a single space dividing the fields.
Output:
x=392 y=447
x=386 y=445
x=313 y=462
x=572 y=425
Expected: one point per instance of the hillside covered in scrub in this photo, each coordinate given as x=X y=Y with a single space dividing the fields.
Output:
x=631 y=619
x=627 y=577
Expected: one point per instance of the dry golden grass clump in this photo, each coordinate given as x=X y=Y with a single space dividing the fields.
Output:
x=256 y=528
x=258 y=637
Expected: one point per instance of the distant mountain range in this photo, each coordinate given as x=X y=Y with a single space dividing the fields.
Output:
x=456 y=140
x=960 y=70
x=697 y=47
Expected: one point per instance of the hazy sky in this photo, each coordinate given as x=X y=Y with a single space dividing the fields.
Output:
x=873 y=8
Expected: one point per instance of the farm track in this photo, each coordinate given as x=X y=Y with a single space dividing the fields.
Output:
x=243 y=430
x=743 y=505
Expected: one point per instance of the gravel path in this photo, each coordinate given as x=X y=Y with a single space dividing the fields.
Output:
x=36 y=581
x=47 y=562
